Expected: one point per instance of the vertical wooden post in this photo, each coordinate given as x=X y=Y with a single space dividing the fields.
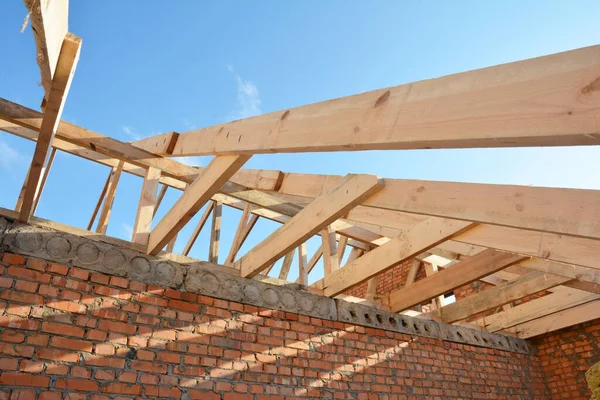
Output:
x=215 y=234
x=110 y=198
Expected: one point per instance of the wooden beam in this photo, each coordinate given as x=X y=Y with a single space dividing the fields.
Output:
x=341 y=247
x=215 y=234
x=321 y=212
x=572 y=212
x=160 y=144
x=238 y=234
x=287 y=264
x=115 y=175
x=330 y=256
x=201 y=222
x=100 y=200
x=573 y=316
x=61 y=82
x=464 y=110
x=159 y=199
x=561 y=299
x=208 y=183
x=498 y=296
x=424 y=236
x=459 y=274
x=302 y=265
x=371 y=288
x=50 y=24
x=354 y=254
x=438 y=301
x=146 y=207
x=412 y=272
x=46 y=172
x=171 y=245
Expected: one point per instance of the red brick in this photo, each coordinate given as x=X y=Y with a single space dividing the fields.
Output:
x=62 y=329
x=120 y=327
x=122 y=388
x=34 y=263
x=73 y=344
x=20 y=379
x=120 y=282
x=80 y=385
x=57 y=269
x=29 y=274
x=57 y=355
x=15 y=259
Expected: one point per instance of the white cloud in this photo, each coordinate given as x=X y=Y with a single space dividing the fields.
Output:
x=132 y=133
x=248 y=97
x=127 y=230
x=11 y=160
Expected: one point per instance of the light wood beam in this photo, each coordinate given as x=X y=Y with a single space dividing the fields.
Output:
x=424 y=236
x=459 y=274
x=372 y=288
x=50 y=23
x=146 y=207
x=330 y=256
x=160 y=144
x=208 y=183
x=160 y=197
x=498 y=296
x=199 y=226
x=412 y=272
x=550 y=323
x=238 y=234
x=302 y=265
x=215 y=234
x=438 y=301
x=100 y=200
x=115 y=175
x=321 y=212
x=561 y=299
x=313 y=261
x=59 y=89
x=287 y=264
x=171 y=245
x=341 y=247
x=463 y=110
x=44 y=179
x=354 y=254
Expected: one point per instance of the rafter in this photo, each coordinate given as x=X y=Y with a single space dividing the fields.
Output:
x=351 y=191
x=500 y=295
x=159 y=144
x=424 y=236
x=286 y=265
x=115 y=176
x=459 y=274
x=208 y=183
x=237 y=238
x=55 y=101
x=198 y=228
x=552 y=322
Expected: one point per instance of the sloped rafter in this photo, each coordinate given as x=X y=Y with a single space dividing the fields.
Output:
x=321 y=212
x=523 y=286
x=198 y=228
x=208 y=183
x=459 y=274
x=424 y=236
x=55 y=101
x=435 y=113
x=115 y=176
x=160 y=144
x=552 y=322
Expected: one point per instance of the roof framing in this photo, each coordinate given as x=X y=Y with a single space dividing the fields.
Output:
x=522 y=240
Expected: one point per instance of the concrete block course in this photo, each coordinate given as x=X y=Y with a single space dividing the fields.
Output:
x=206 y=279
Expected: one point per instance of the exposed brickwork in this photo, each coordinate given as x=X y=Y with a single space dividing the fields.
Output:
x=387 y=282
x=566 y=355
x=69 y=333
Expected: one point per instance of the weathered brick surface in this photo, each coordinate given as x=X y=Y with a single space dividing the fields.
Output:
x=566 y=355
x=112 y=338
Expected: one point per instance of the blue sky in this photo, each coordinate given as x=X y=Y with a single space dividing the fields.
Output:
x=181 y=65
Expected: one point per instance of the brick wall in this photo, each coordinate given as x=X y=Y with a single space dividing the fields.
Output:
x=566 y=355
x=69 y=333
x=388 y=281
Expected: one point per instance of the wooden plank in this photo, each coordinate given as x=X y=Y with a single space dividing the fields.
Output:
x=438 y=301
x=199 y=226
x=330 y=256
x=50 y=24
x=61 y=82
x=459 y=274
x=498 y=296
x=171 y=245
x=100 y=200
x=371 y=289
x=424 y=236
x=354 y=254
x=287 y=264
x=160 y=144
x=208 y=183
x=159 y=199
x=46 y=172
x=561 y=299
x=238 y=234
x=115 y=175
x=342 y=243
x=302 y=265
x=550 y=323
x=573 y=212
x=146 y=207
x=215 y=234
x=321 y=212
x=412 y=272
x=463 y=110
